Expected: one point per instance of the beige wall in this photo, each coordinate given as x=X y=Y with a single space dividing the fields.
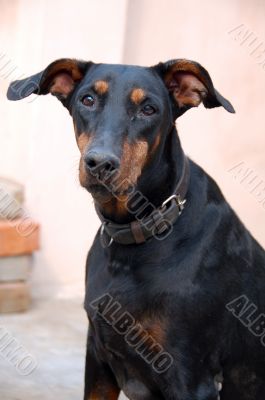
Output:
x=36 y=137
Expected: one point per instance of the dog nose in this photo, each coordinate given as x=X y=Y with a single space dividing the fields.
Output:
x=102 y=161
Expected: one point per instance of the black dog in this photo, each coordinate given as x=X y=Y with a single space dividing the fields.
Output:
x=175 y=283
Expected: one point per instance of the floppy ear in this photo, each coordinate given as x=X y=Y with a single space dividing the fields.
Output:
x=59 y=79
x=190 y=84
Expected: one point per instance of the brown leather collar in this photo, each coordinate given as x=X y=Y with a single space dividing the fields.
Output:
x=158 y=224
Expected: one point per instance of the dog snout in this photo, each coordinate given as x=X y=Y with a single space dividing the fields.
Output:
x=106 y=162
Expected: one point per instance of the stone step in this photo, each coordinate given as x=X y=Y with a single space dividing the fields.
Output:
x=14 y=297
x=18 y=237
x=15 y=268
x=11 y=199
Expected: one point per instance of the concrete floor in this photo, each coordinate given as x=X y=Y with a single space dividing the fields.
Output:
x=54 y=333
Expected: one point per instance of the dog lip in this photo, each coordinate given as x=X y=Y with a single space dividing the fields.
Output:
x=103 y=190
x=96 y=187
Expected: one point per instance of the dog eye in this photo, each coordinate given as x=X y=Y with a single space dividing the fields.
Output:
x=148 y=110
x=88 y=100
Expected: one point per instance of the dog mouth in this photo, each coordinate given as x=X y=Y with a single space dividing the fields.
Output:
x=98 y=189
x=108 y=186
x=104 y=193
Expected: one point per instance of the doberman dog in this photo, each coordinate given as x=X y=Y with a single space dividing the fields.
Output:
x=175 y=283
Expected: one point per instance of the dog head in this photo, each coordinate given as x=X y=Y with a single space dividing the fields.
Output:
x=121 y=113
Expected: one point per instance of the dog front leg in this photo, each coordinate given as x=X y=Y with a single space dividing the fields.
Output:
x=100 y=383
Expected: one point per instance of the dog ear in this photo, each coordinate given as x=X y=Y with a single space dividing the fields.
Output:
x=190 y=84
x=59 y=78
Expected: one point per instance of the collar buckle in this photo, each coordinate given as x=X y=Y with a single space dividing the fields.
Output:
x=180 y=203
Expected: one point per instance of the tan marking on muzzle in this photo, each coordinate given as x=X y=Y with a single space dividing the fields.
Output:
x=82 y=173
x=156 y=143
x=116 y=206
x=101 y=87
x=133 y=159
x=137 y=95
x=134 y=156
x=83 y=142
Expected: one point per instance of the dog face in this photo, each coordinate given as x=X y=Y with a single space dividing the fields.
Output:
x=121 y=113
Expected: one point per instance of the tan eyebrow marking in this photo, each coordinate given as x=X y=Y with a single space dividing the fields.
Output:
x=101 y=87
x=137 y=95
